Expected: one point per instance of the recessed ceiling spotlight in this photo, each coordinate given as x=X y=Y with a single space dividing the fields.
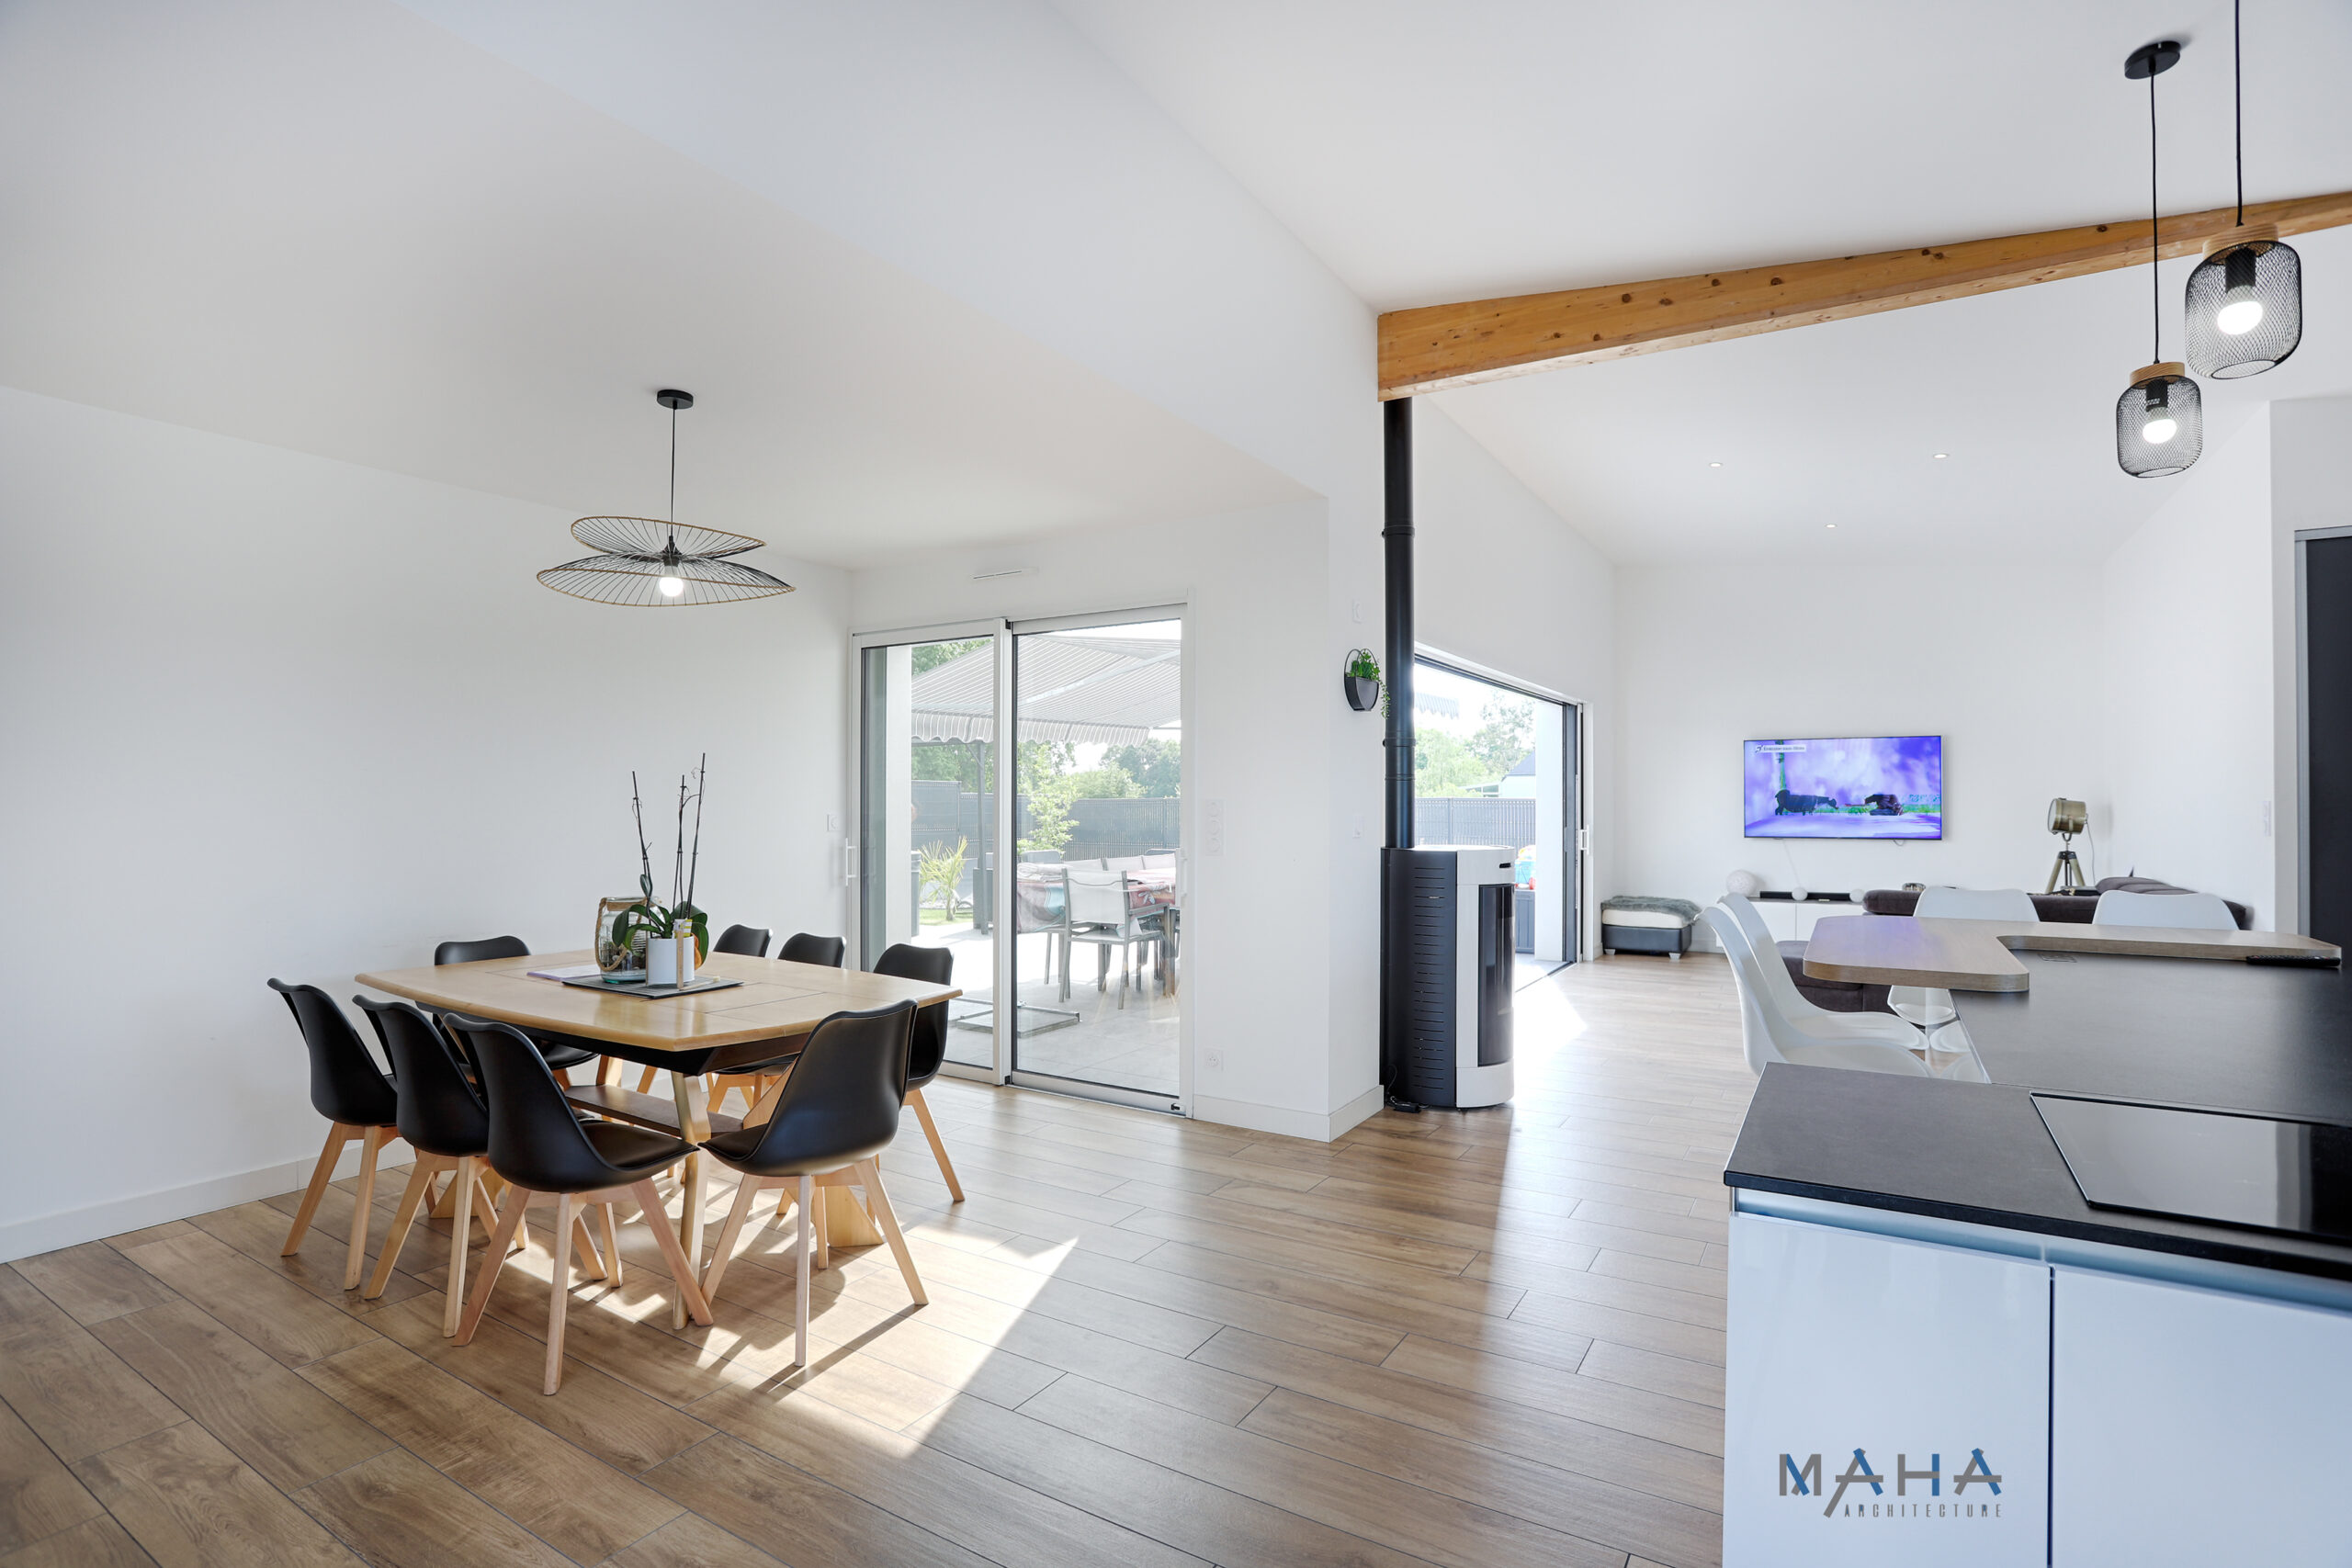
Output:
x=1715 y=464
x=1943 y=454
x=1829 y=524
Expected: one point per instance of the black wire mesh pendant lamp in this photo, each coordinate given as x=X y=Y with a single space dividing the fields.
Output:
x=2160 y=417
x=2245 y=299
x=655 y=563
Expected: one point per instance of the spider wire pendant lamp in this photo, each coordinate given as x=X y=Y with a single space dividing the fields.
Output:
x=657 y=562
x=2245 y=299
x=2160 y=417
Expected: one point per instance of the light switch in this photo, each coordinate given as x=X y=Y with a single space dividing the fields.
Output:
x=1212 y=827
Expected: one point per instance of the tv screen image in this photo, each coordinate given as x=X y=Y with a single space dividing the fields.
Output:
x=1885 y=786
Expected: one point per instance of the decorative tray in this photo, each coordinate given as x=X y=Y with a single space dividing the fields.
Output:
x=631 y=983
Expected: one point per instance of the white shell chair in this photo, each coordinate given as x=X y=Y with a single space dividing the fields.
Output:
x=1767 y=1034
x=2189 y=911
x=1794 y=1005
x=1931 y=1006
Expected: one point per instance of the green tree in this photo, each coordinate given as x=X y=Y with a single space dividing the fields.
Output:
x=931 y=655
x=1503 y=741
x=1109 y=782
x=1442 y=764
x=1156 y=765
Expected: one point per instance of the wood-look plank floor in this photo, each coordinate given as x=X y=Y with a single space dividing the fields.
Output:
x=1490 y=1338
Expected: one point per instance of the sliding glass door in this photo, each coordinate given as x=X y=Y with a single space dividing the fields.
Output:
x=928 y=787
x=1499 y=764
x=1098 y=884
x=1081 y=922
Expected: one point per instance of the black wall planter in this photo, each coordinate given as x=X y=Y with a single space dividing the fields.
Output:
x=1363 y=692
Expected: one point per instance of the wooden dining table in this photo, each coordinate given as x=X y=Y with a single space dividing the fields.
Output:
x=777 y=1004
x=1981 y=956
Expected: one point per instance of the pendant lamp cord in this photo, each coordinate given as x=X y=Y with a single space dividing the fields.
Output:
x=674 y=474
x=2237 y=90
x=2155 y=246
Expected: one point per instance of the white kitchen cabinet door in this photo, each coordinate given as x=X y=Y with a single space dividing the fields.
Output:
x=2190 y=1426
x=1887 y=1402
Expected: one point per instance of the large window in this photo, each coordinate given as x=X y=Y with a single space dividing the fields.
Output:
x=1494 y=764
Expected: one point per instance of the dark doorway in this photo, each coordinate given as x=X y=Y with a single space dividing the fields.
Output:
x=2328 y=736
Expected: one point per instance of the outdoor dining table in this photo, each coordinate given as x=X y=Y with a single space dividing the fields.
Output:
x=777 y=1004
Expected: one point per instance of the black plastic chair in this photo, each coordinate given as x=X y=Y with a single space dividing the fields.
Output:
x=546 y=1154
x=838 y=1110
x=803 y=948
x=356 y=1099
x=444 y=1120
x=745 y=941
x=935 y=966
x=752 y=1079
x=563 y=1051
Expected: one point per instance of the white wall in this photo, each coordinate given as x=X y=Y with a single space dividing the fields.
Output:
x=2187 y=682
x=1503 y=584
x=1997 y=658
x=273 y=715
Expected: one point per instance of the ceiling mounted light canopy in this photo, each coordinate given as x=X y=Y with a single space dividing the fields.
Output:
x=657 y=562
x=2160 y=417
x=2245 y=299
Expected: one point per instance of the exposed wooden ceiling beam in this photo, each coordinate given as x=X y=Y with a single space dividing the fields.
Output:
x=1436 y=347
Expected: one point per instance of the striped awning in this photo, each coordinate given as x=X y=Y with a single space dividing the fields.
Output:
x=1071 y=686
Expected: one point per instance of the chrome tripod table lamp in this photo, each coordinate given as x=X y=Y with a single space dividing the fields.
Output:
x=2067 y=817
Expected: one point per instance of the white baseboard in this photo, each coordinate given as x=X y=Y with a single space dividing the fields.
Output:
x=70 y=1227
x=1252 y=1117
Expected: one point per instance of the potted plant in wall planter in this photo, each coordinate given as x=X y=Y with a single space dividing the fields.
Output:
x=1361 y=680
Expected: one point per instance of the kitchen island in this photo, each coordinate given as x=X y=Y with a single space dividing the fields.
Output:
x=1941 y=1352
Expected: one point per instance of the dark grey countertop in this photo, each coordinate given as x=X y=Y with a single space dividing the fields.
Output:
x=2180 y=1031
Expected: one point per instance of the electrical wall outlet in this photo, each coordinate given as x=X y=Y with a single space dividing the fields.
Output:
x=1212 y=1060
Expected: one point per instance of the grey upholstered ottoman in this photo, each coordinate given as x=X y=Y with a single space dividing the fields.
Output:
x=1636 y=923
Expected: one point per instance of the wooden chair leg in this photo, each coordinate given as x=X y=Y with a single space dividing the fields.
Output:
x=445 y=1200
x=800 y=1288
x=494 y=1263
x=746 y=1189
x=420 y=1181
x=588 y=1253
x=321 y=1177
x=559 y=1292
x=453 y=1290
x=645 y=1080
x=613 y=1245
x=888 y=1218
x=363 y=1204
x=672 y=1251
x=824 y=1231
x=938 y=1149
x=487 y=1196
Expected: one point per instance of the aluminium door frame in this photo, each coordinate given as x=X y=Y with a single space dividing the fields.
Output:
x=2303 y=727
x=1579 y=825
x=1009 y=717
x=997 y=628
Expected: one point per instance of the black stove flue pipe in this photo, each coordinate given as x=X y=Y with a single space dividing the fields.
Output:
x=1396 y=550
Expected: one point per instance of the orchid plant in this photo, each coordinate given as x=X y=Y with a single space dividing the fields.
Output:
x=680 y=914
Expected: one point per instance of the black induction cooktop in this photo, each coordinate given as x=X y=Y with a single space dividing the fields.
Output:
x=2206 y=1164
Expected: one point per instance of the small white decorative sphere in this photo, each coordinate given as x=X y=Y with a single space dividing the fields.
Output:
x=1857 y=894
x=1747 y=884
x=1798 y=894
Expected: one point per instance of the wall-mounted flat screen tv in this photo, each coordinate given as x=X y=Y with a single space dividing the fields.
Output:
x=1884 y=786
